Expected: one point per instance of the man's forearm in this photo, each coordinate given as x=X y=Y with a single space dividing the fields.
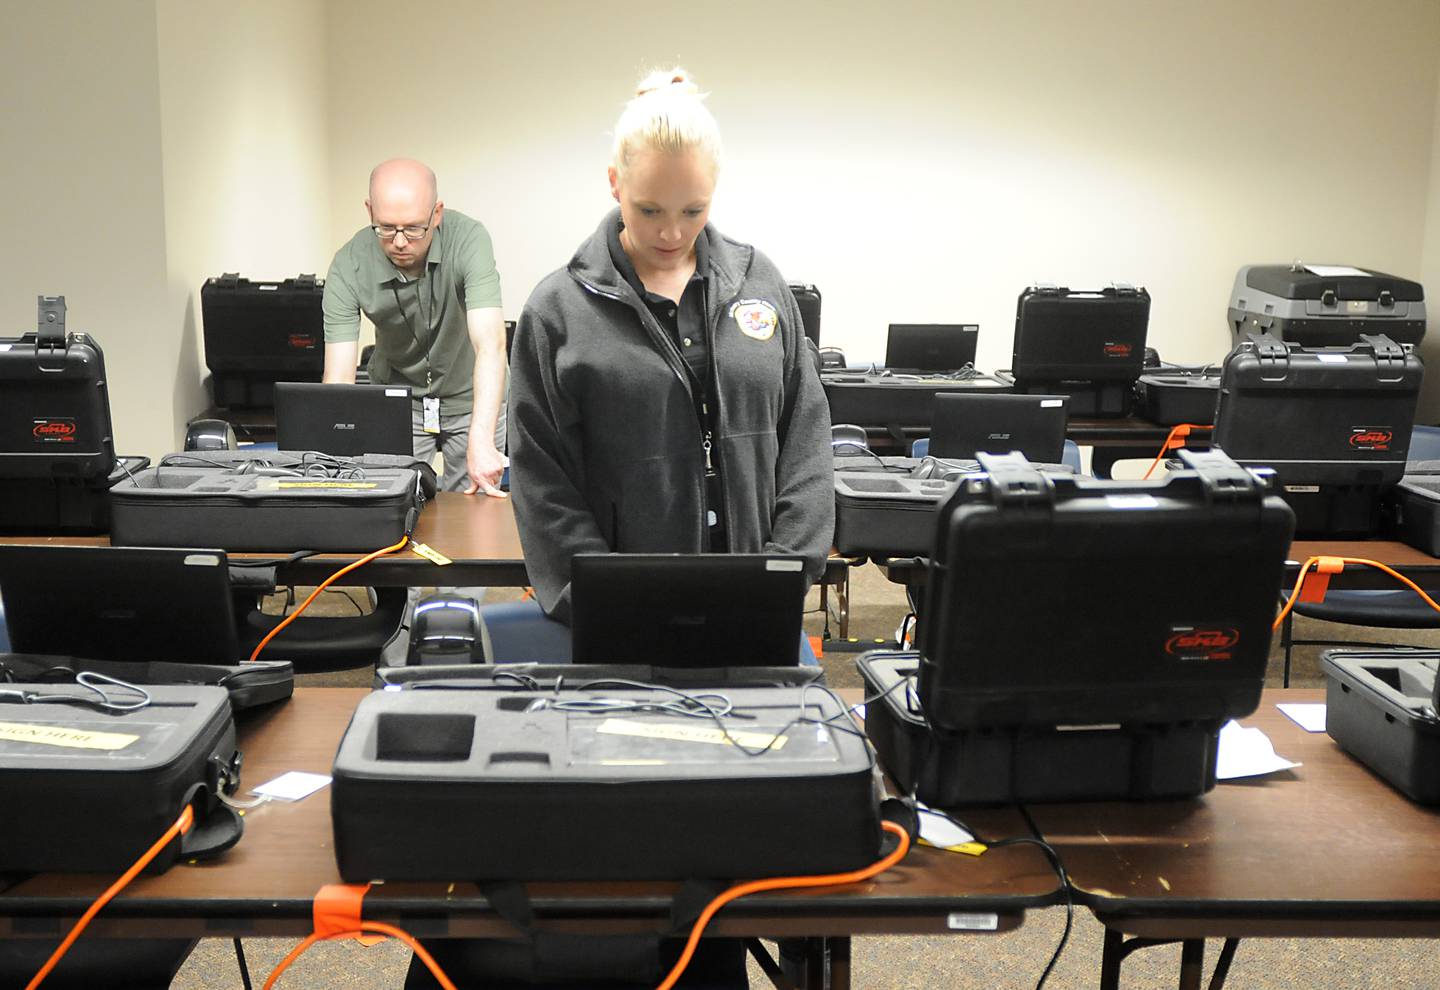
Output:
x=340 y=360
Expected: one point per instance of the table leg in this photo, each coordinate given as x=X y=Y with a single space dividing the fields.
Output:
x=1192 y=963
x=1222 y=963
x=815 y=960
x=1111 y=956
x=840 y=963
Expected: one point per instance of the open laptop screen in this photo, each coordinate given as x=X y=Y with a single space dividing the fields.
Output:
x=344 y=420
x=931 y=346
x=687 y=610
x=119 y=603
x=965 y=423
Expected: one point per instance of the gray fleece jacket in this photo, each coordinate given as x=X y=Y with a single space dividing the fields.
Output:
x=606 y=449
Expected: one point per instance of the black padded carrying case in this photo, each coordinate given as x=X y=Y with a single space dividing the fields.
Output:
x=1178 y=395
x=258 y=682
x=1002 y=764
x=250 y=500
x=1380 y=706
x=73 y=807
x=897 y=402
x=505 y=785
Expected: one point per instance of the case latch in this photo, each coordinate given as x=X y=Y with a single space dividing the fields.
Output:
x=1271 y=350
x=1123 y=289
x=1389 y=356
x=229 y=280
x=306 y=282
x=1014 y=479
x=1220 y=477
x=1048 y=289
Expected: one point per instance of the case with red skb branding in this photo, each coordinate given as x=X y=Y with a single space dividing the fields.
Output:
x=1055 y=600
x=56 y=447
x=260 y=333
x=1089 y=345
x=1333 y=423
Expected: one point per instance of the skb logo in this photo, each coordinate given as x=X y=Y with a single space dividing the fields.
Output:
x=1372 y=439
x=302 y=341
x=1118 y=350
x=54 y=429
x=1203 y=642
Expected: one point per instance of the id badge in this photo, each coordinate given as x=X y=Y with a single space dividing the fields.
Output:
x=430 y=413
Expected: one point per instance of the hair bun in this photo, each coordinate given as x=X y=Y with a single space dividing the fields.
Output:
x=662 y=79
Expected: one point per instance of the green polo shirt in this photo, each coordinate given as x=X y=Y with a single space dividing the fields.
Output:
x=421 y=337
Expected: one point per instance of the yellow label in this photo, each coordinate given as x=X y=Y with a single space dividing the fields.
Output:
x=968 y=848
x=56 y=735
x=430 y=554
x=689 y=733
x=327 y=484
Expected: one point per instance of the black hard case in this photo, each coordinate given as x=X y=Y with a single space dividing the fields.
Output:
x=807 y=297
x=86 y=810
x=1380 y=706
x=1333 y=417
x=260 y=333
x=57 y=449
x=1414 y=506
x=896 y=401
x=491 y=785
x=1172 y=397
x=1325 y=310
x=1089 y=345
x=1003 y=764
x=1057 y=599
x=213 y=499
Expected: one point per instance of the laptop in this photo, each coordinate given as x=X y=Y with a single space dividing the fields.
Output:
x=965 y=423
x=119 y=603
x=344 y=420
x=687 y=610
x=931 y=346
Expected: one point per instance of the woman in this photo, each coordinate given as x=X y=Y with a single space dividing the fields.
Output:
x=663 y=398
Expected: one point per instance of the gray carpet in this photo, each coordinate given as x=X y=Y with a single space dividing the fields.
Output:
x=1012 y=960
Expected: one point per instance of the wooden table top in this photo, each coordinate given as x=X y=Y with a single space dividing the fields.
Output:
x=265 y=884
x=1328 y=848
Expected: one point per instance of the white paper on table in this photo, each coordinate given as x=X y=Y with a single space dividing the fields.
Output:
x=1310 y=716
x=1246 y=752
x=292 y=786
x=940 y=831
x=1335 y=271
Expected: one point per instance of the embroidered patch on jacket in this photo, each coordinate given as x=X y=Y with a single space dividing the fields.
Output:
x=756 y=318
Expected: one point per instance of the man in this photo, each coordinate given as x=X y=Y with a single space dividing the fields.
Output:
x=426 y=278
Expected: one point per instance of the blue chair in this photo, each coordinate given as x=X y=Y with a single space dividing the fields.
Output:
x=1397 y=609
x=1070 y=456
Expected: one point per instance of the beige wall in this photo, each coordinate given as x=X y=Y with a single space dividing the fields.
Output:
x=925 y=161
x=917 y=161
x=1430 y=276
x=81 y=166
x=242 y=100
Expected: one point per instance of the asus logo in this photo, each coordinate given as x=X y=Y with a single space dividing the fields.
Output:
x=997 y=436
x=344 y=426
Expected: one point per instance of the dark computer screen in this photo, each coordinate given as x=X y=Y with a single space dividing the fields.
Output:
x=931 y=346
x=119 y=603
x=967 y=423
x=687 y=610
x=344 y=420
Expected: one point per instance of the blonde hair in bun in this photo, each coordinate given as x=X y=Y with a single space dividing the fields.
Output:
x=667 y=114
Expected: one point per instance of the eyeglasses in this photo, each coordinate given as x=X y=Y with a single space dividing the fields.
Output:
x=412 y=231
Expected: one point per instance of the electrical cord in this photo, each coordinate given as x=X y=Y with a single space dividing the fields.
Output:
x=180 y=826
x=1051 y=855
x=393 y=548
x=1333 y=565
x=1177 y=433
x=867 y=451
x=92 y=681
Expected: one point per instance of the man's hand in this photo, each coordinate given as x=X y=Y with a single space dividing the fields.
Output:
x=485 y=464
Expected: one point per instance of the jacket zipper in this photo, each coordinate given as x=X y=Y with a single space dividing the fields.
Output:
x=674 y=360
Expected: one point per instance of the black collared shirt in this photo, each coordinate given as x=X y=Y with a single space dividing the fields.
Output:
x=684 y=321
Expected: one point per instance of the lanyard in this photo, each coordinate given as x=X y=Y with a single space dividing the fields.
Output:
x=429 y=348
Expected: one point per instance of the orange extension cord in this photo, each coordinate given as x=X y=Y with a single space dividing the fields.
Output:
x=1175 y=440
x=1316 y=562
x=322 y=586
x=182 y=824
x=739 y=890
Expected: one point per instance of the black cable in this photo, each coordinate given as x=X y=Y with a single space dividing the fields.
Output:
x=866 y=450
x=93 y=682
